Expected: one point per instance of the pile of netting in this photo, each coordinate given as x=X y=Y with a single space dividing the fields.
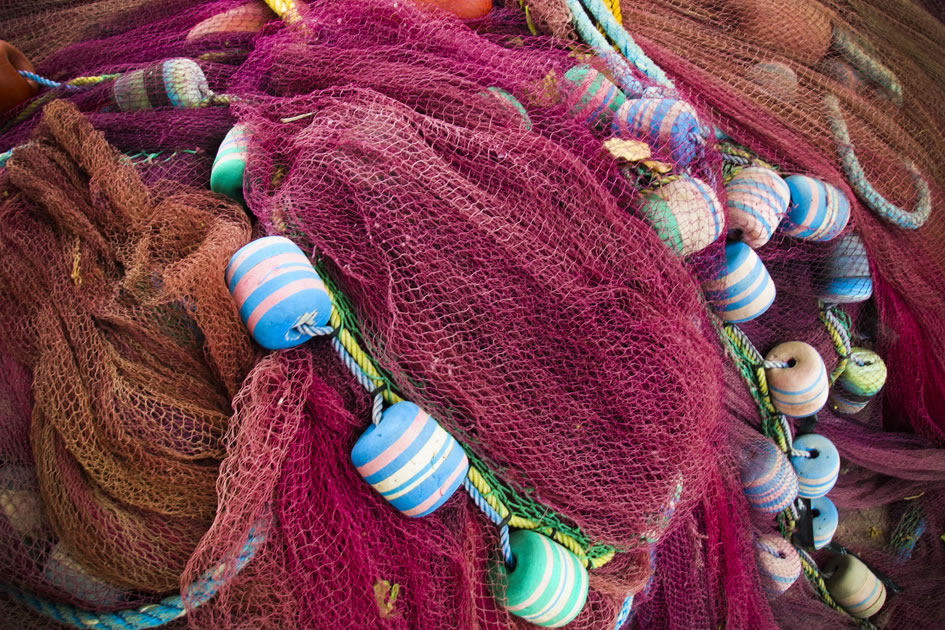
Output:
x=500 y=252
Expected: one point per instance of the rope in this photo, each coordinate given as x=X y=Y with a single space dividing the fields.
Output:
x=867 y=65
x=624 y=613
x=909 y=220
x=816 y=580
x=838 y=326
x=624 y=42
x=150 y=615
x=623 y=74
x=614 y=7
x=493 y=516
x=74 y=84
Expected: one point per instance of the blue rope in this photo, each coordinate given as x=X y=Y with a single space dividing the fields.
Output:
x=623 y=74
x=46 y=82
x=857 y=178
x=150 y=615
x=493 y=516
x=625 y=44
x=624 y=613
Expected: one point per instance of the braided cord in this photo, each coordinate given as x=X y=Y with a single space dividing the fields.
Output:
x=909 y=220
x=837 y=323
x=624 y=42
x=486 y=486
x=614 y=7
x=867 y=65
x=493 y=516
x=622 y=73
x=150 y=615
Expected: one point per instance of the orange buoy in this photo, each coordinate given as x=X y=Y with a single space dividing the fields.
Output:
x=463 y=9
x=14 y=89
x=248 y=18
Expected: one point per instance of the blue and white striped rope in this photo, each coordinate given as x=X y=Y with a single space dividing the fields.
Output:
x=493 y=516
x=624 y=615
x=150 y=615
x=46 y=82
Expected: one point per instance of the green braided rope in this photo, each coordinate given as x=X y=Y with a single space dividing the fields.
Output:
x=517 y=503
x=750 y=365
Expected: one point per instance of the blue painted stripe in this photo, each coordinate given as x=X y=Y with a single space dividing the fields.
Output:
x=269 y=287
x=739 y=287
x=447 y=444
x=869 y=598
x=752 y=316
x=408 y=453
x=746 y=209
x=459 y=457
x=751 y=297
x=277 y=246
x=710 y=203
x=818 y=381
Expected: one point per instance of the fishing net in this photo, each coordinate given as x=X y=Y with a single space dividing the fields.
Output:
x=506 y=257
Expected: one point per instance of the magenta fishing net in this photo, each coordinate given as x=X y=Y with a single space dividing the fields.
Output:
x=493 y=251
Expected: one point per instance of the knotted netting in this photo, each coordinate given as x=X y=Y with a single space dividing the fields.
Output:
x=529 y=265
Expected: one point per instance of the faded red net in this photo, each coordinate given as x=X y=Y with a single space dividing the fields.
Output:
x=505 y=279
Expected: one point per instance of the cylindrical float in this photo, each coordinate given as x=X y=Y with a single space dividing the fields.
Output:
x=744 y=290
x=854 y=586
x=277 y=290
x=846 y=276
x=668 y=124
x=172 y=83
x=410 y=460
x=547 y=587
x=226 y=175
x=758 y=199
x=801 y=386
x=818 y=471
x=769 y=481
x=686 y=214
x=779 y=565
x=818 y=210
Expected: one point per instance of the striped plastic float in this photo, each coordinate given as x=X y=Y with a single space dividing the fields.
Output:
x=779 y=565
x=171 y=83
x=854 y=586
x=825 y=521
x=816 y=474
x=548 y=586
x=410 y=460
x=801 y=387
x=818 y=211
x=767 y=477
x=591 y=96
x=686 y=214
x=226 y=176
x=846 y=278
x=758 y=199
x=668 y=124
x=744 y=290
x=276 y=290
x=511 y=103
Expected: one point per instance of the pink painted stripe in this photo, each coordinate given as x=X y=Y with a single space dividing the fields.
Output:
x=433 y=498
x=245 y=253
x=391 y=452
x=268 y=269
x=278 y=296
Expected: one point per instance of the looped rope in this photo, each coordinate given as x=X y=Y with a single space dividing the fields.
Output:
x=150 y=615
x=909 y=220
x=867 y=65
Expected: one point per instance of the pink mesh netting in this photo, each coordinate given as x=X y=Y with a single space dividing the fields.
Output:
x=502 y=271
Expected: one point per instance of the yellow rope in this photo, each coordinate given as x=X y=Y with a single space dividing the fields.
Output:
x=839 y=346
x=614 y=7
x=92 y=80
x=285 y=9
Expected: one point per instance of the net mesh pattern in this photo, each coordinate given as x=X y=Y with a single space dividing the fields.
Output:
x=496 y=247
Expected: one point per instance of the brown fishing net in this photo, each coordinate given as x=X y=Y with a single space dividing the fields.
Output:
x=134 y=353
